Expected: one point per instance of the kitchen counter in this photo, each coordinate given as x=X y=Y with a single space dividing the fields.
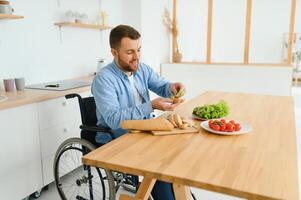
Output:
x=28 y=96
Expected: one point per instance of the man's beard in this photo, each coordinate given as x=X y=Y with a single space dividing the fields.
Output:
x=126 y=67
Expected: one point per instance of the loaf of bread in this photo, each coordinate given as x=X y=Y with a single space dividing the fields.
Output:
x=179 y=122
x=157 y=124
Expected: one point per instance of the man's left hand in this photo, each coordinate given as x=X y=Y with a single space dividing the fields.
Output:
x=176 y=87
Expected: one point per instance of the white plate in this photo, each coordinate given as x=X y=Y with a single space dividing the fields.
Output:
x=245 y=128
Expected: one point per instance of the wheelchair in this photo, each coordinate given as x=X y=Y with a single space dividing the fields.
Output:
x=81 y=182
x=74 y=180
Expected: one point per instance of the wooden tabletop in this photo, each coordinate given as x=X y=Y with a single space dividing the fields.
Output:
x=28 y=96
x=258 y=165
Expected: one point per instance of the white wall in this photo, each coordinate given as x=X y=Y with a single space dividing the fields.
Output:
x=259 y=79
x=270 y=19
x=146 y=17
x=31 y=47
x=155 y=38
x=131 y=13
x=36 y=49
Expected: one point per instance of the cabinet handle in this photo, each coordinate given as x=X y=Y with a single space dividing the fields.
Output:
x=64 y=103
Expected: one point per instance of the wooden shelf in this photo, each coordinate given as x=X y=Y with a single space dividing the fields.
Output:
x=82 y=25
x=10 y=16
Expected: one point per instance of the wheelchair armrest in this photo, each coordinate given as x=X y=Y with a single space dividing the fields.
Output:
x=95 y=128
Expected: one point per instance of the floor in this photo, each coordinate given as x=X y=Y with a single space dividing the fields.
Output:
x=51 y=193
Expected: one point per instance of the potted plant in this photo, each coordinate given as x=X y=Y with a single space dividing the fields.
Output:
x=297 y=60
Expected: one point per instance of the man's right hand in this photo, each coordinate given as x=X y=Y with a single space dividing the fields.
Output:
x=164 y=104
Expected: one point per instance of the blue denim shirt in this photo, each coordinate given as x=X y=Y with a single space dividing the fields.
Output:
x=114 y=100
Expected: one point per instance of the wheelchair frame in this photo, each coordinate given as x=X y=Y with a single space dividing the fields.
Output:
x=83 y=145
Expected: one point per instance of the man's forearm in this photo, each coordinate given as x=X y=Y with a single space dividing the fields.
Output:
x=115 y=117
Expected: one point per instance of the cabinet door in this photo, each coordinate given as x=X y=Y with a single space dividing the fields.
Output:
x=53 y=137
x=59 y=119
x=21 y=171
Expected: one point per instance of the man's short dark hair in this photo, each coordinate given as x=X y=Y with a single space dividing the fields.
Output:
x=120 y=32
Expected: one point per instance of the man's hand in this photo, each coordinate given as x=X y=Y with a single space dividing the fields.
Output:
x=164 y=104
x=176 y=87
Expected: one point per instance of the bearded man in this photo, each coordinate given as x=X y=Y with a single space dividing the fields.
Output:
x=121 y=92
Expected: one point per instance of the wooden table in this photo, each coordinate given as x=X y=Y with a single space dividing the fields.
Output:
x=258 y=165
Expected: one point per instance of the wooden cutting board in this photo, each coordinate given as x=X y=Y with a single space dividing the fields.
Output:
x=176 y=131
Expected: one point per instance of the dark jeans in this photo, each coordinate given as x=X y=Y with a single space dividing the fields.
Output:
x=162 y=191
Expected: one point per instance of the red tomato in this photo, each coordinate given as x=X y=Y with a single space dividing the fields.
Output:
x=230 y=127
x=237 y=127
x=232 y=122
x=216 y=127
x=223 y=127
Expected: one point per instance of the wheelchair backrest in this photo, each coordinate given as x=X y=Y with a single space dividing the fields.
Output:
x=88 y=116
x=89 y=111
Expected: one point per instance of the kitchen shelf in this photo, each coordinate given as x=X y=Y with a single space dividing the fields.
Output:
x=82 y=25
x=10 y=16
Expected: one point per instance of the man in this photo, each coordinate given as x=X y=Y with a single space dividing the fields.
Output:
x=121 y=91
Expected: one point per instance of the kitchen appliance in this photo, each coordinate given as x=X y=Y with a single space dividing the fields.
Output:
x=59 y=85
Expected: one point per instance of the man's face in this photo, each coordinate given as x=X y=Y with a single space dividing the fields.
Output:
x=128 y=54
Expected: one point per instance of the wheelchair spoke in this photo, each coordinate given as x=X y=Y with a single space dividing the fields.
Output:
x=77 y=181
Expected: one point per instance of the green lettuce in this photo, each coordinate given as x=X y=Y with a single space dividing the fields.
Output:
x=211 y=111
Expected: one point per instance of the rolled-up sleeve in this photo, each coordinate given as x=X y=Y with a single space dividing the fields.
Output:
x=158 y=84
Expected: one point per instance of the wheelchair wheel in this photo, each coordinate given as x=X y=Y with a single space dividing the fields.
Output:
x=77 y=181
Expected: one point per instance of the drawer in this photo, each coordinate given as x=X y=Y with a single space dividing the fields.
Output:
x=55 y=111
x=51 y=138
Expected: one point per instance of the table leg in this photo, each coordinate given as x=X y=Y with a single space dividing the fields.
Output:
x=181 y=192
x=143 y=192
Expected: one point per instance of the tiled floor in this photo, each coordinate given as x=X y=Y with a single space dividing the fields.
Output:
x=51 y=193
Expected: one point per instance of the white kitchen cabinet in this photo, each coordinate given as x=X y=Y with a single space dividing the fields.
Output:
x=51 y=139
x=59 y=119
x=30 y=136
x=20 y=154
x=57 y=111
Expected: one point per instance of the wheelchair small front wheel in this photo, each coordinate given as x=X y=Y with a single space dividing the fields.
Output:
x=77 y=181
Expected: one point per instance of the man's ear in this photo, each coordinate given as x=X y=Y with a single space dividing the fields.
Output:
x=114 y=52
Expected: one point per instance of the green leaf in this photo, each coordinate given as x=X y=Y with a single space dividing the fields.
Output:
x=210 y=111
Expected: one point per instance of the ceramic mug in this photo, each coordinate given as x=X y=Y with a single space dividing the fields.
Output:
x=20 y=83
x=6 y=9
x=9 y=85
